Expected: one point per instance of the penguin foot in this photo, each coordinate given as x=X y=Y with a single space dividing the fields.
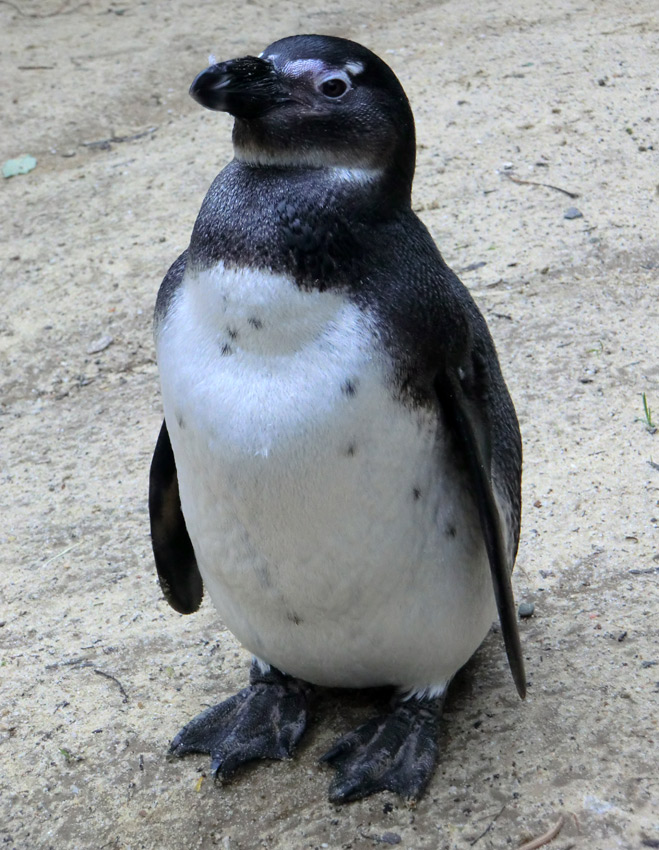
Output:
x=263 y=721
x=393 y=752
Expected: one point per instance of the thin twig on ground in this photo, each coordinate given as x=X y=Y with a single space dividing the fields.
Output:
x=545 y=838
x=116 y=139
x=536 y=183
x=114 y=679
x=61 y=11
x=489 y=826
x=63 y=552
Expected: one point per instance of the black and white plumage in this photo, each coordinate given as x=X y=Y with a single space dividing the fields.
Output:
x=340 y=460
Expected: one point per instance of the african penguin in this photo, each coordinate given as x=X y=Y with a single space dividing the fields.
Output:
x=340 y=460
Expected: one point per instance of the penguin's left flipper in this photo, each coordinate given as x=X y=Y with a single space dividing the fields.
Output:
x=464 y=401
x=393 y=752
x=178 y=573
x=263 y=721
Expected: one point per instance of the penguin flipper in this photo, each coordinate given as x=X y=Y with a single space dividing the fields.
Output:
x=172 y=548
x=464 y=403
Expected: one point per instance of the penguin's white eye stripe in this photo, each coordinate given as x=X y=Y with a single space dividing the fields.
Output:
x=315 y=67
x=354 y=68
x=302 y=67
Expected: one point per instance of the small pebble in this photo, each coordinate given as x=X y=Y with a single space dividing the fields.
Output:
x=391 y=838
x=646 y=664
x=572 y=212
x=526 y=609
x=100 y=344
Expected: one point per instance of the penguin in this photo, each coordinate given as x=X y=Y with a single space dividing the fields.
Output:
x=340 y=460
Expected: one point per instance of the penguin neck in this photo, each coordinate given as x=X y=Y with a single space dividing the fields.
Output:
x=312 y=223
x=313 y=160
x=360 y=184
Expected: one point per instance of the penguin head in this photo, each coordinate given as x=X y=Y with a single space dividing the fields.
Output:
x=316 y=101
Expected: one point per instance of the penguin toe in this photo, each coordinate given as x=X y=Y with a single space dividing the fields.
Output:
x=394 y=752
x=263 y=721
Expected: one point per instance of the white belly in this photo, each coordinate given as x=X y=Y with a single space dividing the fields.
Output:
x=326 y=533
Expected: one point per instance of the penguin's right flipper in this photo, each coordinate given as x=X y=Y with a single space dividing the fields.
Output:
x=464 y=400
x=263 y=721
x=172 y=548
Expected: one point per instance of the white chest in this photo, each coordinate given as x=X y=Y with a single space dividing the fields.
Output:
x=331 y=534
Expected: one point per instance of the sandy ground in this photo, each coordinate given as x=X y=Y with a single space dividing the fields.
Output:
x=97 y=671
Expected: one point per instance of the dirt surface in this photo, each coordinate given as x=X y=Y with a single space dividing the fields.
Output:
x=97 y=671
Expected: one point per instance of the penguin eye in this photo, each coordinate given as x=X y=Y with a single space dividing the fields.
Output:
x=334 y=87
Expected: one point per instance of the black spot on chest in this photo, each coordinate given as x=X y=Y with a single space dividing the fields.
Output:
x=349 y=387
x=294 y=618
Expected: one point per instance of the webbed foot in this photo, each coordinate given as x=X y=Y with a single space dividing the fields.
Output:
x=392 y=752
x=263 y=721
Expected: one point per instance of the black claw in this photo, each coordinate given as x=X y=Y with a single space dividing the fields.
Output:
x=342 y=746
x=335 y=752
x=265 y=720
x=395 y=752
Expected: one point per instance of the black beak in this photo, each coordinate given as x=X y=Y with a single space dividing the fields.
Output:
x=245 y=88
